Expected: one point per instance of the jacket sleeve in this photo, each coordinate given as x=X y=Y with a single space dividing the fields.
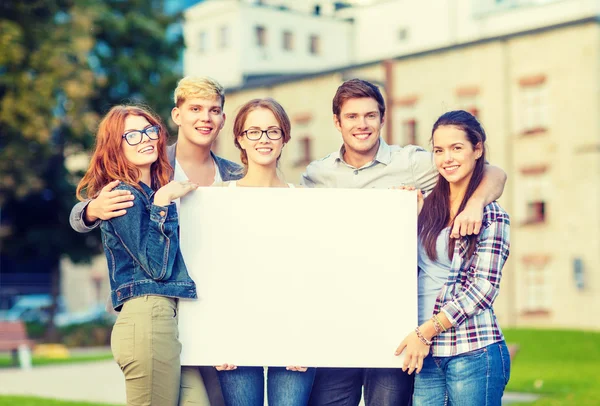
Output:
x=76 y=218
x=150 y=236
x=485 y=271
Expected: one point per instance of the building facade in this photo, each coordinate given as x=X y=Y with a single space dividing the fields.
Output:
x=530 y=101
x=242 y=39
x=239 y=40
x=529 y=69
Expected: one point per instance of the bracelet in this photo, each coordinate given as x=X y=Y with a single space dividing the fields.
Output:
x=436 y=326
x=444 y=329
x=421 y=337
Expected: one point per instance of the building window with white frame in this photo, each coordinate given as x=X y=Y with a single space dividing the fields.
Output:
x=314 y=45
x=537 y=285
x=261 y=36
x=533 y=109
x=303 y=151
x=224 y=37
x=534 y=190
x=202 y=42
x=288 y=41
x=402 y=34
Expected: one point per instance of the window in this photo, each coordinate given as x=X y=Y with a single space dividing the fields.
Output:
x=533 y=109
x=536 y=212
x=537 y=292
x=534 y=191
x=315 y=45
x=402 y=34
x=468 y=100
x=202 y=42
x=288 y=41
x=224 y=37
x=404 y=123
x=409 y=132
x=261 y=36
x=304 y=151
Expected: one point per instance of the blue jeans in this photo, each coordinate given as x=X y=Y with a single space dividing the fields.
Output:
x=343 y=387
x=475 y=378
x=244 y=386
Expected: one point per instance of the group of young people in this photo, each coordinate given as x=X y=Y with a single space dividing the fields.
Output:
x=132 y=188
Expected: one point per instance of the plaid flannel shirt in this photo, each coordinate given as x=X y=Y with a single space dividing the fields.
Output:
x=472 y=286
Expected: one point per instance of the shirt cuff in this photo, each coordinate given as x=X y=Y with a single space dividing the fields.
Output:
x=453 y=313
x=82 y=218
x=163 y=214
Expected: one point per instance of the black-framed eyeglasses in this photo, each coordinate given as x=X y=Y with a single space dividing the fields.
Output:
x=255 y=134
x=136 y=136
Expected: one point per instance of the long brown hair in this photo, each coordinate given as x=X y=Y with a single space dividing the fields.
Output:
x=435 y=215
x=108 y=162
x=269 y=104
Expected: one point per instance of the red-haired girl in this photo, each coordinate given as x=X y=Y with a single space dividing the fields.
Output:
x=146 y=270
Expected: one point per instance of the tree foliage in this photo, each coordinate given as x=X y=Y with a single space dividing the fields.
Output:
x=63 y=64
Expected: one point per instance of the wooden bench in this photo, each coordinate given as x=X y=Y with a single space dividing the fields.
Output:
x=13 y=338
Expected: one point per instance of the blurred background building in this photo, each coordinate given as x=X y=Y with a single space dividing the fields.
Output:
x=529 y=69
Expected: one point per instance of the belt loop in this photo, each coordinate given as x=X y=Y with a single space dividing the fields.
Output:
x=145 y=298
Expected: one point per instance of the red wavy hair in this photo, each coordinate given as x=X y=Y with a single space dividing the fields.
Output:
x=108 y=162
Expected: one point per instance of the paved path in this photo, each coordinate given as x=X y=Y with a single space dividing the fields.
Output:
x=100 y=381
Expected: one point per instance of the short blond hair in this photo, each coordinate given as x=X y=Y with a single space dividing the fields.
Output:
x=199 y=87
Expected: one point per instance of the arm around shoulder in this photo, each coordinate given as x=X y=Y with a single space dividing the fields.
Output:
x=77 y=221
x=492 y=185
x=425 y=174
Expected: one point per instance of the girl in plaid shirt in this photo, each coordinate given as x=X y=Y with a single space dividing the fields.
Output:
x=458 y=350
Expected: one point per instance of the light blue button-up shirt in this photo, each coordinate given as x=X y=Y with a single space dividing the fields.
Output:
x=393 y=166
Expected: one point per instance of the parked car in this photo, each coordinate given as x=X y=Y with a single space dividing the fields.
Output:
x=96 y=313
x=33 y=308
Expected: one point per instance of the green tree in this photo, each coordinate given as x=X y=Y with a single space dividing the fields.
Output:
x=136 y=56
x=63 y=64
x=45 y=87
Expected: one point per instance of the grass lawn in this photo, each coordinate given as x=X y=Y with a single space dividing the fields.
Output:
x=6 y=359
x=31 y=401
x=561 y=365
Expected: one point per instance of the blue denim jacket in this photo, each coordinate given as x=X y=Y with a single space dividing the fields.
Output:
x=142 y=249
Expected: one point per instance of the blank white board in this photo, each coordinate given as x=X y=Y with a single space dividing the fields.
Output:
x=311 y=277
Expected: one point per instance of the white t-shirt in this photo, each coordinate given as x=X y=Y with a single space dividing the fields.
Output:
x=180 y=175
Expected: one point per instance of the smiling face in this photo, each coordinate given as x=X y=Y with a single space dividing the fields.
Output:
x=144 y=154
x=360 y=123
x=454 y=155
x=199 y=120
x=263 y=151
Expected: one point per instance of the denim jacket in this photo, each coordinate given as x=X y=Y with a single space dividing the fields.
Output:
x=227 y=169
x=142 y=249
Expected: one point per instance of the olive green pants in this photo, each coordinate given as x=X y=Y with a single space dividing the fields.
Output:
x=145 y=344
